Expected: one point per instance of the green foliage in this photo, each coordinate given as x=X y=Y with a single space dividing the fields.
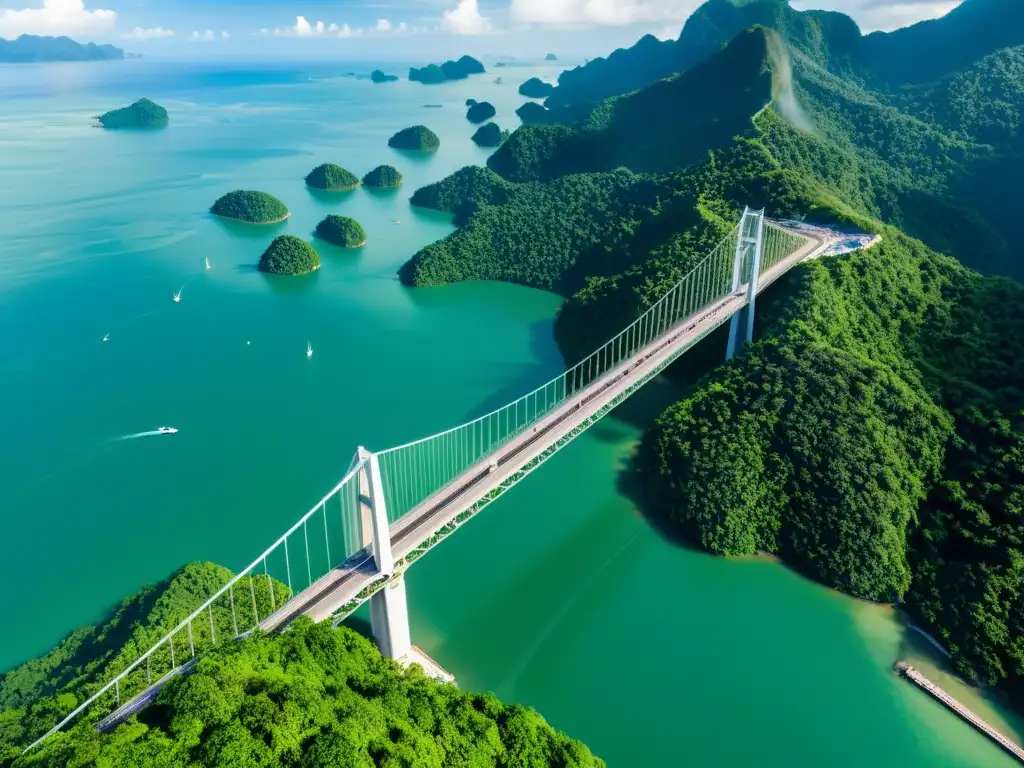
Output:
x=142 y=114
x=383 y=176
x=480 y=112
x=289 y=255
x=532 y=113
x=489 y=135
x=332 y=178
x=535 y=88
x=378 y=76
x=418 y=138
x=250 y=206
x=40 y=692
x=341 y=231
x=433 y=74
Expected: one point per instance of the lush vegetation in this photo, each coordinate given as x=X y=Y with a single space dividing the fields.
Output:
x=535 y=88
x=41 y=692
x=289 y=255
x=417 y=138
x=27 y=48
x=250 y=206
x=489 y=135
x=383 y=176
x=532 y=113
x=341 y=231
x=480 y=112
x=312 y=696
x=378 y=76
x=433 y=74
x=332 y=178
x=551 y=57
x=142 y=114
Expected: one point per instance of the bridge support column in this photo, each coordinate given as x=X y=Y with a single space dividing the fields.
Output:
x=748 y=256
x=389 y=619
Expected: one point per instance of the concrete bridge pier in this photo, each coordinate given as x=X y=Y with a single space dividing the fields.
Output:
x=389 y=619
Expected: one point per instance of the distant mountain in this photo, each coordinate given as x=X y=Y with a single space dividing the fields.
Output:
x=433 y=74
x=888 y=60
x=35 y=48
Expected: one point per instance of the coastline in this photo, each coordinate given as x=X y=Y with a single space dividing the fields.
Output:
x=256 y=223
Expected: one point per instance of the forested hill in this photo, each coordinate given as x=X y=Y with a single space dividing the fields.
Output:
x=886 y=60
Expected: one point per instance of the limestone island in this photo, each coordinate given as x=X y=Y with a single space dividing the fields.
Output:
x=341 y=231
x=499 y=81
x=433 y=74
x=249 y=206
x=289 y=255
x=489 y=135
x=551 y=57
x=332 y=178
x=481 y=112
x=532 y=113
x=142 y=114
x=418 y=138
x=383 y=176
x=471 y=102
x=379 y=77
x=535 y=88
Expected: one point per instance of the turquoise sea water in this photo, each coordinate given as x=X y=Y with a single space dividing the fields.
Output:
x=560 y=596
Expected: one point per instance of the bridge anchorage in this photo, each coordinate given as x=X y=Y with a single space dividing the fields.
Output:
x=394 y=506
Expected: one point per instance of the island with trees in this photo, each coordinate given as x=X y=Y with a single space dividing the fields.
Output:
x=251 y=207
x=551 y=57
x=417 y=138
x=332 y=178
x=434 y=74
x=247 y=700
x=480 y=112
x=383 y=177
x=489 y=135
x=341 y=231
x=532 y=113
x=289 y=255
x=142 y=114
x=535 y=88
x=29 y=48
x=378 y=76
x=871 y=436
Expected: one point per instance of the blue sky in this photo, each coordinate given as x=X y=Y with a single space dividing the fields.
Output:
x=392 y=29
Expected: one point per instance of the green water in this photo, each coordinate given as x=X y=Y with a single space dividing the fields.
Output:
x=561 y=596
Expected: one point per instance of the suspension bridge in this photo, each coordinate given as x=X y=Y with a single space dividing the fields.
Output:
x=393 y=506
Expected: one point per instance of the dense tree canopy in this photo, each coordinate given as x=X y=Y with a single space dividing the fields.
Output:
x=341 y=231
x=379 y=76
x=332 y=178
x=142 y=114
x=535 y=88
x=480 y=112
x=383 y=176
x=433 y=74
x=489 y=135
x=418 y=138
x=289 y=255
x=250 y=206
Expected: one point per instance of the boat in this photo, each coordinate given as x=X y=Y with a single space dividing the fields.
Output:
x=177 y=295
x=207 y=262
x=166 y=431
x=309 y=349
x=106 y=337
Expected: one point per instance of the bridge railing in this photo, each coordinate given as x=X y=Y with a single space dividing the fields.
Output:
x=328 y=534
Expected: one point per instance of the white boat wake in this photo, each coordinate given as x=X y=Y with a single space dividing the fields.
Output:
x=150 y=433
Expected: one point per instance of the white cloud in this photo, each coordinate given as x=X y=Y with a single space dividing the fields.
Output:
x=873 y=15
x=383 y=25
x=601 y=12
x=207 y=36
x=56 y=17
x=465 y=19
x=303 y=28
x=148 y=33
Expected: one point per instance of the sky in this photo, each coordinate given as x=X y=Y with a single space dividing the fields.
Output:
x=393 y=29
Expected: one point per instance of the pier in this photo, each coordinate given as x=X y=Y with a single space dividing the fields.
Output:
x=927 y=685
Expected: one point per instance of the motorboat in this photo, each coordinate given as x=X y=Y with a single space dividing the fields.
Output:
x=166 y=431
x=107 y=337
x=309 y=349
x=177 y=295
x=207 y=262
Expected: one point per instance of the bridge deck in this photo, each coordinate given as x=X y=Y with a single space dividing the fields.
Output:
x=325 y=596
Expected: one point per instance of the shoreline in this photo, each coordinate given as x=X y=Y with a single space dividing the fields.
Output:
x=255 y=223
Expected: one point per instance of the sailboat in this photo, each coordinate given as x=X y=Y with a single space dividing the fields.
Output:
x=309 y=349
x=177 y=294
x=207 y=262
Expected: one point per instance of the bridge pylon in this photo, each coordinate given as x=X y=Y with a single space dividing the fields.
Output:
x=746 y=267
x=389 y=608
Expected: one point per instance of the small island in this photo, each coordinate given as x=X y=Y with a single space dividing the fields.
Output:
x=384 y=177
x=341 y=231
x=535 y=88
x=551 y=57
x=499 y=80
x=289 y=255
x=481 y=112
x=532 y=113
x=471 y=102
x=251 y=207
x=332 y=178
x=418 y=138
x=380 y=77
x=142 y=114
x=434 y=74
x=489 y=135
